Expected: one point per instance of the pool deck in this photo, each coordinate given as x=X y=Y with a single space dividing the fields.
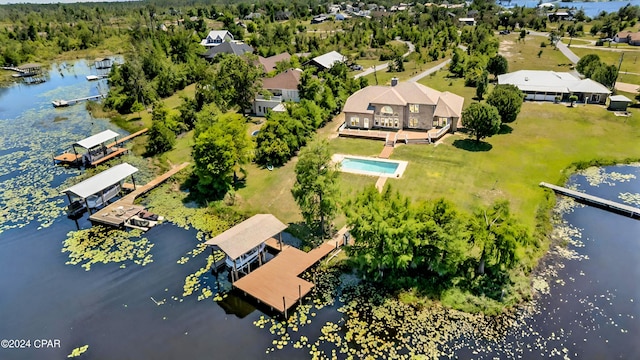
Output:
x=402 y=166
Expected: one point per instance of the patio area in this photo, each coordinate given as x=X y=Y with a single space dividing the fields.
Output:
x=393 y=136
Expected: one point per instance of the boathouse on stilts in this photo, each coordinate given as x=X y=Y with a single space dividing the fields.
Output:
x=276 y=283
x=93 y=150
x=245 y=243
x=96 y=191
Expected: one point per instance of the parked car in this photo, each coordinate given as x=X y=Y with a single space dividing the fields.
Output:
x=505 y=32
x=356 y=67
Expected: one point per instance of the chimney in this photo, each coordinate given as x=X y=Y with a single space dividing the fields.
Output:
x=394 y=81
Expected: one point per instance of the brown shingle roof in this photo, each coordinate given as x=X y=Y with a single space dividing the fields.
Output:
x=389 y=97
x=247 y=235
x=269 y=63
x=414 y=93
x=447 y=104
x=360 y=100
x=287 y=80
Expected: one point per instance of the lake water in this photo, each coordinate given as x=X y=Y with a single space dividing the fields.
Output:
x=589 y=308
x=591 y=8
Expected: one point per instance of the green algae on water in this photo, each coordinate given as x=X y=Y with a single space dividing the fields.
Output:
x=99 y=245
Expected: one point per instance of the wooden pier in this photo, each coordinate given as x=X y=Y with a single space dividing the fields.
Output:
x=276 y=283
x=594 y=200
x=128 y=137
x=64 y=103
x=116 y=213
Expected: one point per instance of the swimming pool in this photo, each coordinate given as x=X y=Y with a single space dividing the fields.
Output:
x=370 y=166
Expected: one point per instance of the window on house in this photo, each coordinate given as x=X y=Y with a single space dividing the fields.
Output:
x=260 y=109
x=395 y=122
x=355 y=121
x=413 y=122
x=376 y=121
x=386 y=110
x=414 y=108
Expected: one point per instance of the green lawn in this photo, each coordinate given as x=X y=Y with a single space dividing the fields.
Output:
x=629 y=61
x=441 y=82
x=544 y=140
x=269 y=192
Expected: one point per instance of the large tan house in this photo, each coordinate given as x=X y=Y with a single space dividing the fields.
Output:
x=407 y=105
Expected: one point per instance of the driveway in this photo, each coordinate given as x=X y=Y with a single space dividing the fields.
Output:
x=430 y=71
x=630 y=88
x=567 y=52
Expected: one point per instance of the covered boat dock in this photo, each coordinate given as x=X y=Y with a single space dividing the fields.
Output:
x=95 y=149
x=275 y=283
x=245 y=242
x=99 y=189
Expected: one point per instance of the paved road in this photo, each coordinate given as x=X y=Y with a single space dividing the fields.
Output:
x=370 y=70
x=567 y=52
x=561 y=46
x=430 y=71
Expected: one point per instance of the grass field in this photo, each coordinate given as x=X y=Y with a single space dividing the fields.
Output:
x=545 y=139
x=630 y=61
x=523 y=55
x=442 y=82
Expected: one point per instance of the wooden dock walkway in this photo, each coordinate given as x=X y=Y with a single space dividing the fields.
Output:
x=594 y=200
x=276 y=283
x=116 y=152
x=128 y=137
x=116 y=213
x=64 y=103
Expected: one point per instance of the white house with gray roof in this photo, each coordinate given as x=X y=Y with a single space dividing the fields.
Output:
x=407 y=105
x=326 y=61
x=540 y=85
x=216 y=37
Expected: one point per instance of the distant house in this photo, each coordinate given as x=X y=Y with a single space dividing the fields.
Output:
x=326 y=61
x=540 y=85
x=283 y=87
x=467 y=21
x=333 y=9
x=281 y=15
x=318 y=19
x=269 y=64
x=253 y=16
x=216 y=37
x=560 y=15
x=406 y=105
x=628 y=37
x=228 y=48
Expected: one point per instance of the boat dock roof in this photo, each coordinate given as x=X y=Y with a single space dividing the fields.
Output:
x=102 y=181
x=276 y=283
x=247 y=235
x=97 y=139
